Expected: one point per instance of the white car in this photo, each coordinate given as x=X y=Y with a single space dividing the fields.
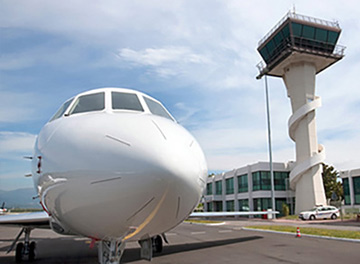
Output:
x=321 y=212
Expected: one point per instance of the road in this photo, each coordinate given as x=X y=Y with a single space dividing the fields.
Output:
x=191 y=243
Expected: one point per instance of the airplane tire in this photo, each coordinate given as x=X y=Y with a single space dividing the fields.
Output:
x=32 y=251
x=19 y=252
x=158 y=244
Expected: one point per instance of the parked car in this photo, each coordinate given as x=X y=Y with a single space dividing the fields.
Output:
x=321 y=212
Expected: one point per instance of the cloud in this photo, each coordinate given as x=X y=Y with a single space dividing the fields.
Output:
x=15 y=144
x=17 y=107
x=167 y=61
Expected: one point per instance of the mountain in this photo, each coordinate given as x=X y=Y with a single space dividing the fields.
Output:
x=20 y=198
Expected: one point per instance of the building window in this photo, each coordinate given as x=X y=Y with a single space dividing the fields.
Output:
x=280 y=179
x=210 y=207
x=218 y=187
x=244 y=205
x=218 y=206
x=261 y=180
x=261 y=204
x=229 y=186
x=279 y=205
x=346 y=189
x=242 y=183
x=230 y=206
x=356 y=184
x=209 y=188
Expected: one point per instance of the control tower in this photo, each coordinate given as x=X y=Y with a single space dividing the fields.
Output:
x=296 y=49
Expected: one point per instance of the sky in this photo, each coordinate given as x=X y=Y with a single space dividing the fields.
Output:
x=197 y=57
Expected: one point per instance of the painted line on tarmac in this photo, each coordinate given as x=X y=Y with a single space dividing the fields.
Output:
x=225 y=231
x=198 y=233
x=304 y=235
x=81 y=239
x=171 y=234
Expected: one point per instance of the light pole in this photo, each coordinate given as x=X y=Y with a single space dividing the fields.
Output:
x=270 y=149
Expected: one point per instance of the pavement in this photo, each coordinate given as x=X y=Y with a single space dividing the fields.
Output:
x=194 y=243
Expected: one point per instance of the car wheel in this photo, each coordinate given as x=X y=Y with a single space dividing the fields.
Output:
x=312 y=217
x=333 y=216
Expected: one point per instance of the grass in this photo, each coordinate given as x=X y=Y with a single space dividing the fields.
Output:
x=311 y=231
x=290 y=217
x=202 y=221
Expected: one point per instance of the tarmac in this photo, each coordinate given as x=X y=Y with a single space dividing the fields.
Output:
x=194 y=243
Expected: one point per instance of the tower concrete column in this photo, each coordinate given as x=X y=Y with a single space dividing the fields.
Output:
x=305 y=178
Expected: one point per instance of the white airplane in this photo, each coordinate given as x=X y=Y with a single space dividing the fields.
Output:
x=121 y=152
x=3 y=210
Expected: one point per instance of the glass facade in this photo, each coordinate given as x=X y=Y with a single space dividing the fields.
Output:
x=261 y=180
x=356 y=185
x=218 y=187
x=346 y=189
x=243 y=183
x=229 y=183
x=244 y=205
x=230 y=206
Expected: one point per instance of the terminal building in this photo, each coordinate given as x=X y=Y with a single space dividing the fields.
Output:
x=351 y=186
x=249 y=188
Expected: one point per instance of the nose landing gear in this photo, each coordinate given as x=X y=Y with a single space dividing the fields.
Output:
x=26 y=248
x=157 y=244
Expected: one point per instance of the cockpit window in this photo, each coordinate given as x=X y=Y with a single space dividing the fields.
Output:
x=61 y=110
x=88 y=103
x=126 y=101
x=156 y=108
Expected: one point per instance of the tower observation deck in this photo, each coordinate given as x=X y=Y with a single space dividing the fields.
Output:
x=296 y=49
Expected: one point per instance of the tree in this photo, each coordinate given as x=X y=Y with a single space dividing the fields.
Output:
x=330 y=178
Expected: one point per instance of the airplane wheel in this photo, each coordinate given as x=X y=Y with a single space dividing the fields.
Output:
x=158 y=244
x=19 y=252
x=32 y=251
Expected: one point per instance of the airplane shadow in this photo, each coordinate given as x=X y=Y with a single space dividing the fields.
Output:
x=133 y=254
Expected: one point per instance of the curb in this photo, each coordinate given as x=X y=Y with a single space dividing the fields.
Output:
x=303 y=235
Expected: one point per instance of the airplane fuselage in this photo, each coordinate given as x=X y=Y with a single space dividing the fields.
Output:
x=117 y=173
